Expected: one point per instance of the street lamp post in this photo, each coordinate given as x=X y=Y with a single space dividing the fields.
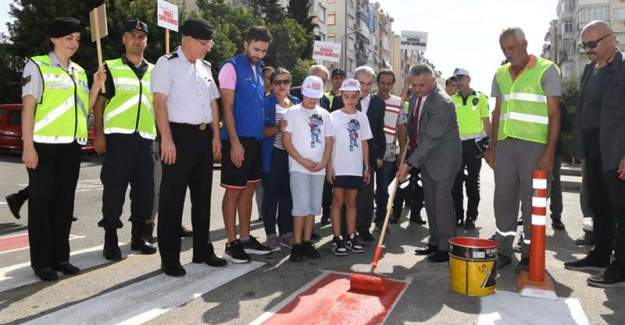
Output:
x=344 y=44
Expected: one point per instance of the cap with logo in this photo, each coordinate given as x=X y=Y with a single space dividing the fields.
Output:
x=350 y=85
x=312 y=87
x=461 y=72
x=135 y=25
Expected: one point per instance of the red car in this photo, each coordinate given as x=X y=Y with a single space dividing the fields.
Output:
x=11 y=129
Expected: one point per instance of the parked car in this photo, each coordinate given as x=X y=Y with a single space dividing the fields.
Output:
x=11 y=129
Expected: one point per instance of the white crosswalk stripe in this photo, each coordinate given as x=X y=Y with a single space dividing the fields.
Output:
x=18 y=275
x=147 y=299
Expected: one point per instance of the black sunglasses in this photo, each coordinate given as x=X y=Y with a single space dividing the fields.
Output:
x=592 y=44
x=284 y=82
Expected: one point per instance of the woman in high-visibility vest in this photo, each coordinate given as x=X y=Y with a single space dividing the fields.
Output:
x=55 y=106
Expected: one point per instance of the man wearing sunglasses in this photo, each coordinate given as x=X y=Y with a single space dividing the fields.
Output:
x=526 y=125
x=600 y=143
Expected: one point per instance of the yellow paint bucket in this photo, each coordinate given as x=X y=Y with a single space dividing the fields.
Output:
x=472 y=266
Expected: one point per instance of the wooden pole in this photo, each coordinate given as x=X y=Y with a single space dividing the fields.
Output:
x=96 y=24
x=166 y=41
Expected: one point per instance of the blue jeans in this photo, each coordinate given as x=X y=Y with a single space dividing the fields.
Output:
x=383 y=178
x=277 y=204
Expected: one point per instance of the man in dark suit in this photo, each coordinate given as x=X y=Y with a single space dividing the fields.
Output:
x=433 y=132
x=373 y=107
x=600 y=144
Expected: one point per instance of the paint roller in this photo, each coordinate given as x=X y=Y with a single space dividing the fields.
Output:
x=371 y=283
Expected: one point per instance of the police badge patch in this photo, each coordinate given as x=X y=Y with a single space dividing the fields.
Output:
x=25 y=80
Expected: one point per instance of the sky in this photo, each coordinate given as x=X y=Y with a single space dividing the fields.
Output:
x=4 y=15
x=465 y=33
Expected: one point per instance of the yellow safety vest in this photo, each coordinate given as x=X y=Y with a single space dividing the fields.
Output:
x=524 y=112
x=61 y=114
x=130 y=110
x=470 y=114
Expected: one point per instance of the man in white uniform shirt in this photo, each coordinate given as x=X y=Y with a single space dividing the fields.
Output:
x=187 y=117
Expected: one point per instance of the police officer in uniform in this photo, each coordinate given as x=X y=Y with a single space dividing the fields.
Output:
x=125 y=131
x=474 y=126
x=55 y=100
x=187 y=117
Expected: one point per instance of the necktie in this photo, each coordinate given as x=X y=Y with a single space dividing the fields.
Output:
x=415 y=124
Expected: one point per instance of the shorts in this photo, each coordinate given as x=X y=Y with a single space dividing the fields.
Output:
x=307 y=193
x=348 y=182
x=250 y=171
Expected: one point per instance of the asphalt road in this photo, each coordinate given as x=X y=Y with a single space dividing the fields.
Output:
x=134 y=291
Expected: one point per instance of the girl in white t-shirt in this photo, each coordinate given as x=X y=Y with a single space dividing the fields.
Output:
x=348 y=168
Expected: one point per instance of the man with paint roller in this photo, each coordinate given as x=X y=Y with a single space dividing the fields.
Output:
x=526 y=125
x=437 y=152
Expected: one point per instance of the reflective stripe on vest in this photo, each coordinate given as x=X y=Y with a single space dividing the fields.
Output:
x=470 y=124
x=524 y=112
x=130 y=110
x=61 y=114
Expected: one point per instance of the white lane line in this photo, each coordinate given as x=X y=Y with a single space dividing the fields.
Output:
x=71 y=237
x=511 y=309
x=18 y=275
x=147 y=299
x=3 y=203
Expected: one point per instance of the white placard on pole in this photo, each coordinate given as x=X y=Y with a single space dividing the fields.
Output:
x=167 y=15
x=327 y=51
x=413 y=40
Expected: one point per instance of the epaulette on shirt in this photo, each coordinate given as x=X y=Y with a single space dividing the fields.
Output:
x=206 y=63
x=171 y=56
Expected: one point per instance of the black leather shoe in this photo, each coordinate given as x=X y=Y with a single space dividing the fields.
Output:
x=439 y=257
x=140 y=244
x=15 y=204
x=67 y=268
x=47 y=274
x=427 y=251
x=557 y=224
x=417 y=219
x=211 y=259
x=184 y=232
x=459 y=222
x=469 y=224
x=111 y=249
x=175 y=271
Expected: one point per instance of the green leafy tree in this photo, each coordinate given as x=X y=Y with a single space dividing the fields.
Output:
x=28 y=35
x=272 y=10
x=300 y=11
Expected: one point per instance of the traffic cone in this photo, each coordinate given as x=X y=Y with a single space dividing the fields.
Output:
x=537 y=282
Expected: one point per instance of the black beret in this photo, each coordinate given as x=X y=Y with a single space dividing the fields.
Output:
x=133 y=25
x=338 y=72
x=198 y=29
x=63 y=26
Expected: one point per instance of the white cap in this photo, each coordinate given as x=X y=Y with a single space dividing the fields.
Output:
x=461 y=72
x=312 y=87
x=350 y=85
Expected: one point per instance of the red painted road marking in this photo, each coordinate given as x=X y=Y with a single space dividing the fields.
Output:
x=17 y=242
x=329 y=301
x=12 y=242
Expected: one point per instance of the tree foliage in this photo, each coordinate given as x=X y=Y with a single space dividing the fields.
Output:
x=26 y=37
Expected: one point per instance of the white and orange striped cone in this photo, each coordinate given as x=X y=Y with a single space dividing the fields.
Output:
x=537 y=282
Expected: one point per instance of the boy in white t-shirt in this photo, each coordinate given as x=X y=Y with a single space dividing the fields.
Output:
x=308 y=140
x=348 y=170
